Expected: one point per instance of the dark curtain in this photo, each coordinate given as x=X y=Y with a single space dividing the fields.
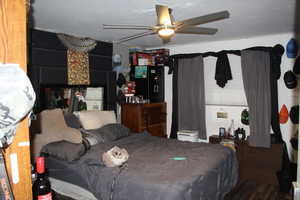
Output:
x=174 y=124
x=275 y=52
x=256 y=78
x=191 y=95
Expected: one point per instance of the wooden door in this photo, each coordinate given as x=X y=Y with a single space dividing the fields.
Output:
x=13 y=50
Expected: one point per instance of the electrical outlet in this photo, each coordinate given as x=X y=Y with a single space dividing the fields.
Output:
x=223 y=115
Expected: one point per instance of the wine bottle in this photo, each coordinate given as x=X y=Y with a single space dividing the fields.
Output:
x=41 y=186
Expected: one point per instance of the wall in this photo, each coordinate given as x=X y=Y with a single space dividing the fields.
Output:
x=231 y=99
x=123 y=51
x=48 y=66
x=13 y=50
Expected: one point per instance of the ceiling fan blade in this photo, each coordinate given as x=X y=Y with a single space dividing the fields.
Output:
x=123 y=26
x=203 y=19
x=163 y=15
x=197 y=30
x=171 y=16
x=131 y=37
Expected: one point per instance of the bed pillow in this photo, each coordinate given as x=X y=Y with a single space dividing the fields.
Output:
x=93 y=119
x=108 y=133
x=64 y=150
x=54 y=128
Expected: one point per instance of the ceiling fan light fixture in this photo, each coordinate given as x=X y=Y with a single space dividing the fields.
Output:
x=166 y=26
x=166 y=32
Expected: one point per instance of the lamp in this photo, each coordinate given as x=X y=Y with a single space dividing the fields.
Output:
x=166 y=31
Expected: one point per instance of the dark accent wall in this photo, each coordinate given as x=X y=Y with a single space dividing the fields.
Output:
x=47 y=66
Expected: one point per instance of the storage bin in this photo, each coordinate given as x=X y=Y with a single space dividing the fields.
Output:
x=188 y=135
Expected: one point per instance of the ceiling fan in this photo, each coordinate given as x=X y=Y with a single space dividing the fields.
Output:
x=167 y=26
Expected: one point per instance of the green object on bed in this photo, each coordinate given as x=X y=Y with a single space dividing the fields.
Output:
x=178 y=158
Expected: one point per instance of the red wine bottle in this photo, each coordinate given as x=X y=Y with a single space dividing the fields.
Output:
x=41 y=186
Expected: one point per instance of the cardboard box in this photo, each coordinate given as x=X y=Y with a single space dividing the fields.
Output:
x=161 y=56
x=94 y=93
x=94 y=105
x=140 y=58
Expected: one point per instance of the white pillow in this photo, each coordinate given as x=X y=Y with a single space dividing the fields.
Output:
x=93 y=119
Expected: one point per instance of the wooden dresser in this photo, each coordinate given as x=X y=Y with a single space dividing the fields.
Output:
x=150 y=116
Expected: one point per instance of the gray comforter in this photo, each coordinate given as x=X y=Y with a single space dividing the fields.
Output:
x=208 y=173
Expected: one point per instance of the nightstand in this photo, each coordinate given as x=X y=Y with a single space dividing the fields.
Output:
x=215 y=139
x=228 y=141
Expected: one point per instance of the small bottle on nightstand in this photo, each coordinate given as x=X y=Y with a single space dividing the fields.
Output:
x=230 y=131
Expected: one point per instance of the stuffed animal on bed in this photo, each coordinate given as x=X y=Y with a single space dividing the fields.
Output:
x=115 y=157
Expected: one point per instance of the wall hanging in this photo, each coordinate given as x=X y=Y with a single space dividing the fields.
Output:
x=78 y=59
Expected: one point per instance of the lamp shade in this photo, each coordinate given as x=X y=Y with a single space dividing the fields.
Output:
x=166 y=32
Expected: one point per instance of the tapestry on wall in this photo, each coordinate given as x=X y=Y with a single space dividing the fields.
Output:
x=78 y=68
x=78 y=59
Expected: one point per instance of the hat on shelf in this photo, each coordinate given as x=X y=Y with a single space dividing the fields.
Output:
x=290 y=79
x=292 y=48
x=278 y=49
x=283 y=114
x=294 y=114
x=296 y=68
x=117 y=59
x=245 y=117
x=121 y=80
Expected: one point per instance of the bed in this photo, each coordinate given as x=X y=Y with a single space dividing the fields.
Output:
x=153 y=170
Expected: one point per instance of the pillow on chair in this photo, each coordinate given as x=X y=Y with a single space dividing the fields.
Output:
x=71 y=120
x=54 y=128
x=93 y=119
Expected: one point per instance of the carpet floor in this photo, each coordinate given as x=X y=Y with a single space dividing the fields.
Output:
x=248 y=190
x=245 y=190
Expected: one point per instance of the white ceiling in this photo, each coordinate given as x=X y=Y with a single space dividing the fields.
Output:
x=85 y=18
